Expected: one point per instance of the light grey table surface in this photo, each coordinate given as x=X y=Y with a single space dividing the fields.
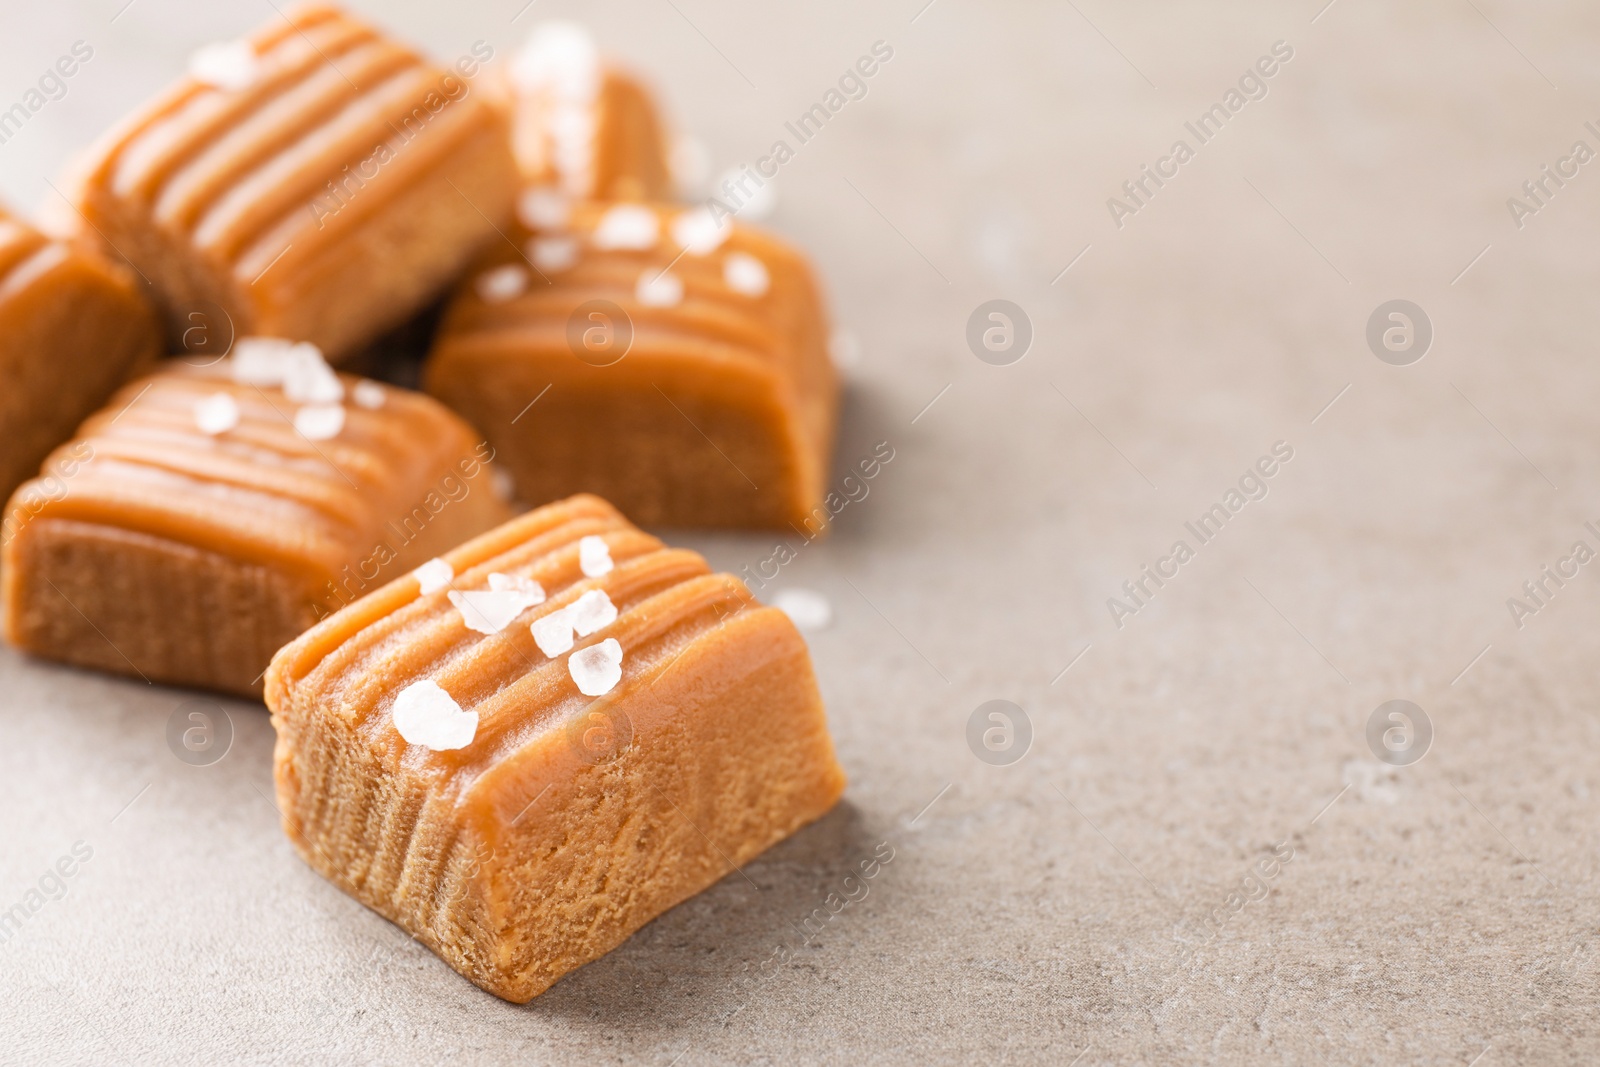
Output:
x=1052 y=910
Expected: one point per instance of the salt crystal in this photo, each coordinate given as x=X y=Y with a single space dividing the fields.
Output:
x=561 y=57
x=758 y=201
x=307 y=378
x=502 y=284
x=489 y=612
x=591 y=612
x=658 y=289
x=746 y=274
x=217 y=413
x=598 y=668
x=261 y=360
x=369 y=394
x=434 y=575
x=628 y=226
x=502 y=582
x=230 y=65
x=810 y=610
x=594 y=558
x=553 y=633
x=504 y=486
x=845 y=349
x=543 y=207
x=319 y=422
x=428 y=716
x=552 y=255
x=699 y=233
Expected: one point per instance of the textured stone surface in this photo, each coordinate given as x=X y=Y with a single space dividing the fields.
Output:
x=1033 y=911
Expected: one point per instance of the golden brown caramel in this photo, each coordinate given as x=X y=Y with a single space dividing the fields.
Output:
x=564 y=822
x=73 y=327
x=689 y=386
x=319 y=182
x=155 y=548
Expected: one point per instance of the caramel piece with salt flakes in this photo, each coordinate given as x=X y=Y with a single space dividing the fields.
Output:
x=317 y=181
x=582 y=124
x=73 y=327
x=676 y=367
x=205 y=522
x=462 y=784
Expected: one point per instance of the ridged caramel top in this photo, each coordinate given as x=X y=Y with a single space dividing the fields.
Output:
x=260 y=491
x=353 y=665
x=234 y=172
x=782 y=330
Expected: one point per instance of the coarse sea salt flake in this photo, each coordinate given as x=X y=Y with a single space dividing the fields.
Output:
x=502 y=582
x=552 y=255
x=590 y=612
x=698 y=233
x=808 y=609
x=627 y=226
x=490 y=611
x=230 y=65
x=434 y=575
x=319 y=422
x=594 y=558
x=426 y=715
x=746 y=274
x=261 y=360
x=307 y=378
x=369 y=394
x=659 y=289
x=501 y=284
x=544 y=207
x=217 y=413
x=553 y=633
x=596 y=669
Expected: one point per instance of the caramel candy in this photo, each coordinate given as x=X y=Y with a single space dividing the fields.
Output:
x=584 y=730
x=73 y=327
x=316 y=181
x=686 y=366
x=205 y=521
x=581 y=124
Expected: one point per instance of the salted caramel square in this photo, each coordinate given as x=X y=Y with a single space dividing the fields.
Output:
x=73 y=327
x=206 y=517
x=673 y=363
x=581 y=123
x=317 y=181
x=545 y=739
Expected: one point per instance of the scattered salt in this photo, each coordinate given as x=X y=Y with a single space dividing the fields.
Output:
x=543 y=207
x=627 y=226
x=434 y=575
x=217 y=413
x=490 y=611
x=596 y=669
x=810 y=610
x=594 y=558
x=746 y=274
x=230 y=65
x=369 y=394
x=503 y=582
x=261 y=360
x=307 y=378
x=699 y=233
x=428 y=716
x=658 y=289
x=502 y=284
x=552 y=255
x=319 y=422
x=591 y=612
x=561 y=57
x=553 y=633
x=504 y=486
